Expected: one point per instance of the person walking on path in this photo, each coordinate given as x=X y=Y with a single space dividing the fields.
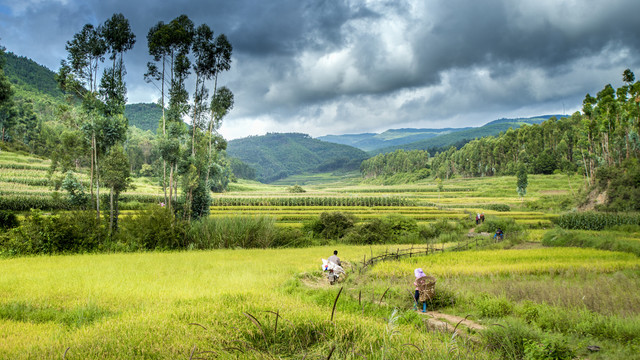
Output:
x=419 y=274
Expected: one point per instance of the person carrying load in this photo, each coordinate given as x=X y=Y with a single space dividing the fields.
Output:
x=425 y=289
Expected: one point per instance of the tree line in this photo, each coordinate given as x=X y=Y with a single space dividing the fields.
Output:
x=90 y=130
x=604 y=134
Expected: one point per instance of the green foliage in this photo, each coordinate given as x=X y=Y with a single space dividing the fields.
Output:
x=590 y=220
x=233 y=232
x=8 y=220
x=509 y=339
x=332 y=225
x=75 y=190
x=440 y=227
x=242 y=170
x=311 y=201
x=384 y=230
x=276 y=156
x=492 y=307
x=73 y=317
x=144 y=116
x=551 y=347
x=69 y=232
x=151 y=229
x=296 y=189
x=622 y=184
x=522 y=181
x=399 y=161
x=461 y=136
x=510 y=228
x=562 y=238
x=498 y=207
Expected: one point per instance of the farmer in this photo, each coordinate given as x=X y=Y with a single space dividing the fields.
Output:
x=482 y=218
x=418 y=273
x=334 y=258
x=499 y=234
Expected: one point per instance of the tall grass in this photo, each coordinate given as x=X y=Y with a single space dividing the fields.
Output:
x=233 y=232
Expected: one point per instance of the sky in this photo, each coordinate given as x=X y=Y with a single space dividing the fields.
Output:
x=343 y=66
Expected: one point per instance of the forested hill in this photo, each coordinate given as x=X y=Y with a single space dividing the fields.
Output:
x=278 y=155
x=461 y=136
x=29 y=76
x=144 y=116
x=33 y=82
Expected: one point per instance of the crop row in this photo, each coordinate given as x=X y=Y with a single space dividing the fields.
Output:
x=22 y=166
x=404 y=190
x=35 y=181
x=595 y=220
x=312 y=201
x=305 y=217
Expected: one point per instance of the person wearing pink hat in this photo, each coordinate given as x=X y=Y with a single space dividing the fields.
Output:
x=418 y=273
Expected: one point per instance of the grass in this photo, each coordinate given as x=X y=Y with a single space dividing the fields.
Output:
x=142 y=305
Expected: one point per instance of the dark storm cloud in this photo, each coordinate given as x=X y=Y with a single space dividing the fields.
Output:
x=335 y=66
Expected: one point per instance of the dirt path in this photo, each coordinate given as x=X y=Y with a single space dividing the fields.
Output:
x=451 y=323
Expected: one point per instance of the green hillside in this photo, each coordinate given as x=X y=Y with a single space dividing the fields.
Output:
x=462 y=136
x=144 y=116
x=28 y=76
x=275 y=156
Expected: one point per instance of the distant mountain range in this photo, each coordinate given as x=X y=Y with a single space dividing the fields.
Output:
x=276 y=156
x=427 y=139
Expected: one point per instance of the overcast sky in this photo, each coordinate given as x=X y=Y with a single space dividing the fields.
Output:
x=341 y=66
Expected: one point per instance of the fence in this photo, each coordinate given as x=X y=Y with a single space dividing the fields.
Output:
x=422 y=251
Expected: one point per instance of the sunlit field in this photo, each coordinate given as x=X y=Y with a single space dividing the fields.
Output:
x=146 y=306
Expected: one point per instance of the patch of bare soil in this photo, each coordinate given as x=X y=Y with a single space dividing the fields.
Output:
x=453 y=324
x=553 y=192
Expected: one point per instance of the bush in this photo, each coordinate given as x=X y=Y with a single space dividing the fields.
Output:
x=332 y=225
x=154 y=228
x=434 y=230
x=493 y=307
x=8 y=220
x=498 y=207
x=551 y=347
x=390 y=229
x=72 y=232
x=510 y=339
x=508 y=226
x=296 y=189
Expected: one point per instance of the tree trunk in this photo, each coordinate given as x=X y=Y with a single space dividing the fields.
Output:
x=93 y=140
x=170 y=187
x=97 y=187
x=111 y=211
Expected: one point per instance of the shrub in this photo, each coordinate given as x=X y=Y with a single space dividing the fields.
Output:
x=493 y=307
x=154 y=228
x=77 y=231
x=508 y=226
x=332 y=225
x=75 y=190
x=434 y=230
x=510 y=339
x=551 y=347
x=8 y=220
x=389 y=229
x=498 y=207
x=296 y=189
